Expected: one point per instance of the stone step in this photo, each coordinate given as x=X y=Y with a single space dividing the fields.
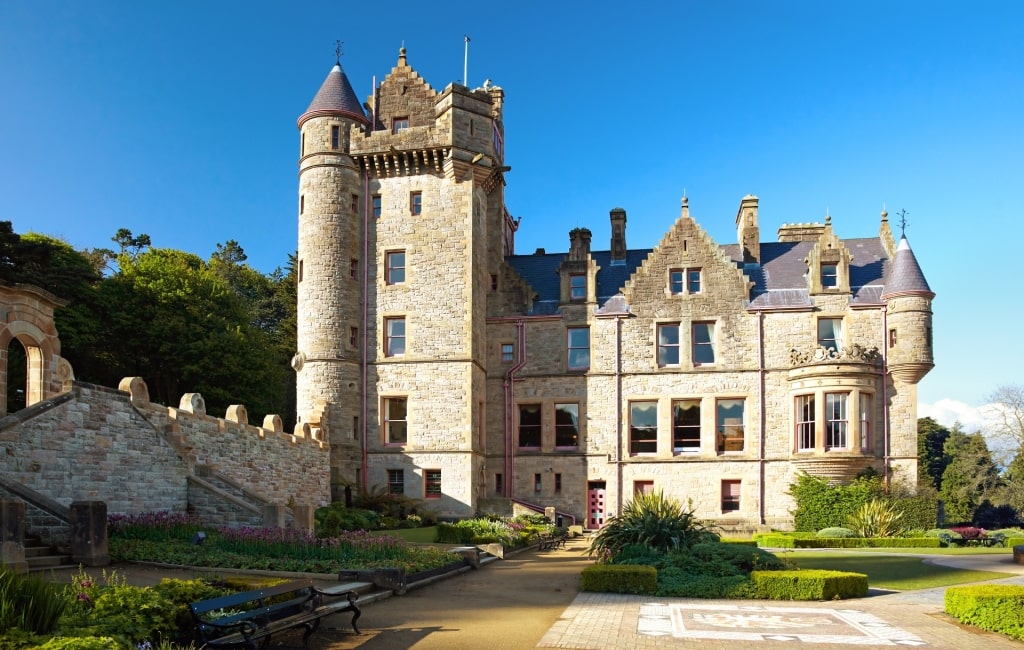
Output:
x=47 y=562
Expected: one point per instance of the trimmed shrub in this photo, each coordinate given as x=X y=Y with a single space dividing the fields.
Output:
x=776 y=541
x=620 y=579
x=941 y=532
x=836 y=531
x=854 y=542
x=744 y=558
x=995 y=608
x=808 y=584
x=920 y=512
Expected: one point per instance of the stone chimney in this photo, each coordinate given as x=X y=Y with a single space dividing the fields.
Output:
x=579 y=244
x=748 y=234
x=618 y=248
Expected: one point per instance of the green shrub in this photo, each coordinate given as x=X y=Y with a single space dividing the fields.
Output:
x=941 y=532
x=877 y=518
x=920 y=511
x=620 y=579
x=995 y=608
x=851 y=542
x=836 y=531
x=331 y=520
x=739 y=542
x=117 y=609
x=822 y=505
x=30 y=604
x=776 y=541
x=448 y=533
x=808 y=584
x=744 y=558
x=81 y=643
x=652 y=520
x=678 y=582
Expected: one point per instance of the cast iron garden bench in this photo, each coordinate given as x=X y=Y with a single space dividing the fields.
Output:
x=551 y=542
x=246 y=619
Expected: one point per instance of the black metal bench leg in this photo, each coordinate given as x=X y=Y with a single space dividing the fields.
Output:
x=310 y=628
x=355 y=617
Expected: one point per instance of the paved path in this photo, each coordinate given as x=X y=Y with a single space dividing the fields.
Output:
x=530 y=600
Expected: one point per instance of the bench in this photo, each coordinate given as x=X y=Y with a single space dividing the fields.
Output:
x=247 y=619
x=551 y=542
x=998 y=539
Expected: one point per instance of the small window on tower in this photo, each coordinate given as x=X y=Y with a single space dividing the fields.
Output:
x=415 y=202
x=354 y=203
x=353 y=336
x=892 y=337
x=376 y=205
x=353 y=269
x=335 y=136
x=399 y=123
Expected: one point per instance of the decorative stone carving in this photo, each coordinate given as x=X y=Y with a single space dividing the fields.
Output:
x=855 y=353
x=298 y=361
x=137 y=388
x=193 y=403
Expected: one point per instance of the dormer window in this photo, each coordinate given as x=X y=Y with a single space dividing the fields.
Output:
x=829 y=275
x=577 y=287
x=399 y=123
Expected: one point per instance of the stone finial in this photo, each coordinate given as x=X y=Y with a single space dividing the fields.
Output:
x=237 y=413
x=579 y=243
x=193 y=403
x=401 y=57
x=302 y=430
x=136 y=387
x=273 y=423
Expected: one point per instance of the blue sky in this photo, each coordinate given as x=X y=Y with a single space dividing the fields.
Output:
x=177 y=119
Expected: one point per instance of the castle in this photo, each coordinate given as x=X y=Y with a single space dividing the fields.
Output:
x=439 y=364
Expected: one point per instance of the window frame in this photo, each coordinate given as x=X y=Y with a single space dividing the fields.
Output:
x=377 y=205
x=721 y=422
x=864 y=404
x=507 y=352
x=571 y=350
x=399 y=123
x=396 y=478
x=353 y=268
x=416 y=203
x=829 y=272
x=354 y=203
x=641 y=446
x=335 y=136
x=805 y=421
x=678 y=446
x=390 y=338
x=390 y=267
x=837 y=333
x=732 y=499
x=676 y=285
x=389 y=422
x=432 y=484
x=704 y=346
x=534 y=429
x=664 y=349
x=560 y=428
x=837 y=421
x=643 y=486
x=694 y=284
x=577 y=287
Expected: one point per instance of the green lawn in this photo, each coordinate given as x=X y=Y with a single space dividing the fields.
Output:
x=891 y=571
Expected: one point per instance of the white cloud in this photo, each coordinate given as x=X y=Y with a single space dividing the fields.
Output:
x=947 y=412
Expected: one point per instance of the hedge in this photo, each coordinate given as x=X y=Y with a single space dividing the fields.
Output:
x=808 y=584
x=782 y=541
x=620 y=578
x=995 y=608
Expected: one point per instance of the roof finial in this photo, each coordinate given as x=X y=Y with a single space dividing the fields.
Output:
x=885 y=215
x=903 y=223
x=337 y=51
x=401 y=53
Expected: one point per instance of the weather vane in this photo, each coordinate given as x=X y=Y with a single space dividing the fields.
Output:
x=337 y=51
x=903 y=223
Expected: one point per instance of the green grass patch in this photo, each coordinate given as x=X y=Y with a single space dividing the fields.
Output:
x=891 y=571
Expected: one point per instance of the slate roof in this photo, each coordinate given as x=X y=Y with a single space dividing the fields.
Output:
x=904 y=275
x=779 y=280
x=335 y=97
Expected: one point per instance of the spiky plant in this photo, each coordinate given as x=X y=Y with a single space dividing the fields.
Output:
x=654 y=521
x=877 y=518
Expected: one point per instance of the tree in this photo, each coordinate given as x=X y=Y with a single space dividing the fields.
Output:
x=1006 y=412
x=931 y=458
x=970 y=477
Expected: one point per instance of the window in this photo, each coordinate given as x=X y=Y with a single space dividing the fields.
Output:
x=376 y=205
x=829 y=276
x=836 y=421
x=432 y=483
x=558 y=483
x=353 y=336
x=703 y=344
x=394 y=337
x=892 y=337
x=729 y=424
x=579 y=348
x=355 y=427
x=499 y=483
x=537 y=485
x=643 y=487
x=394 y=269
x=805 y=423
x=865 y=422
x=508 y=353
x=395 y=422
x=830 y=333
x=686 y=426
x=567 y=426
x=416 y=202
x=302 y=147
x=302 y=203
x=399 y=123
x=577 y=287
x=301 y=265
x=643 y=427
x=354 y=203
x=396 y=481
x=494 y=281
x=675 y=281
x=693 y=281
x=529 y=426
x=731 y=495
x=668 y=344
x=353 y=269
x=335 y=136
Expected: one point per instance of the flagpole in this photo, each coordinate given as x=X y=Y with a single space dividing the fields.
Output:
x=465 y=65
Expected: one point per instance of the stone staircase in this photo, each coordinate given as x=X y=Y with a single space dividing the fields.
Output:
x=41 y=557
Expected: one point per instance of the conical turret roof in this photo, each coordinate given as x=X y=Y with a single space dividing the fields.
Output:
x=335 y=97
x=904 y=276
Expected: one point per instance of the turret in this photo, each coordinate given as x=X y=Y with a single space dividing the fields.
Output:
x=908 y=301
x=331 y=270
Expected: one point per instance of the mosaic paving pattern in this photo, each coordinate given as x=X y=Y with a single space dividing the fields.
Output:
x=763 y=623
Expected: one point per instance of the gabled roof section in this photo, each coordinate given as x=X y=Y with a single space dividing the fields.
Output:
x=541 y=273
x=336 y=98
x=905 y=276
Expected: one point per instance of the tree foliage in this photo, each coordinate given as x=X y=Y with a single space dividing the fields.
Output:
x=820 y=504
x=969 y=475
x=931 y=455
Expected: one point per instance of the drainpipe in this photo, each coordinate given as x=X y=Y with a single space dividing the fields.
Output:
x=761 y=384
x=885 y=396
x=509 y=385
x=618 y=416
x=367 y=207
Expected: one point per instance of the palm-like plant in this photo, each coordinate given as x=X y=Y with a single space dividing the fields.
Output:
x=877 y=518
x=654 y=521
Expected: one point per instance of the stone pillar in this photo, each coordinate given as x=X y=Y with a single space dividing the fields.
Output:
x=89 y=533
x=549 y=514
x=12 y=536
x=303 y=517
x=274 y=515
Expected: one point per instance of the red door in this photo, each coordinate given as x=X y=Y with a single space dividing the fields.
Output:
x=595 y=506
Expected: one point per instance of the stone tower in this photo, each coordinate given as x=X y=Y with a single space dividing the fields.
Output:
x=330 y=270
